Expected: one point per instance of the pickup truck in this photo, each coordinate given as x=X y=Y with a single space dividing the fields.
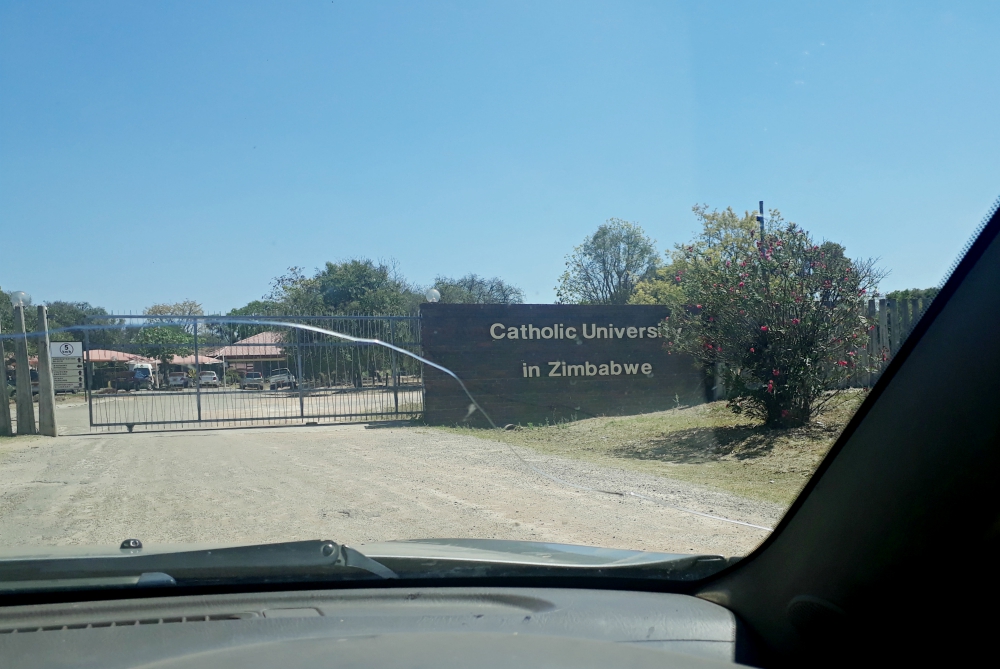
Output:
x=282 y=378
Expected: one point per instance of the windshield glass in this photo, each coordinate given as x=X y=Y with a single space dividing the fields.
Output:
x=611 y=275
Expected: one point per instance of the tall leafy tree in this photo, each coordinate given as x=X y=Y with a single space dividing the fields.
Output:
x=607 y=266
x=63 y=314
x=163 y=342
x=474 y=289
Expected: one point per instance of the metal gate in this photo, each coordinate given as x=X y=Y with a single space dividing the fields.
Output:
x=180 y=371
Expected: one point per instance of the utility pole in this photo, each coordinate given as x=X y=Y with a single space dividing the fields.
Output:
x=46 y=386
x=760 y=219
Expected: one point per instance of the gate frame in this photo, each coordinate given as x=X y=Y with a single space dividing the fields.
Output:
x=255 y=422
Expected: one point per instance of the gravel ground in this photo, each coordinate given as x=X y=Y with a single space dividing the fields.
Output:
x=351 y=483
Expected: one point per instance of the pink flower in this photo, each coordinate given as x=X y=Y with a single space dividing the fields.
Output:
x=741 y=284
x=698 y=306
x=795 y=321
x=770 y=386
x=784 y=413
x=752 y=351
x=776 y=372
x=842 y=363
x=763 y=328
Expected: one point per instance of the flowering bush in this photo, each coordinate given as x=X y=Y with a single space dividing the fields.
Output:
x=786 y=317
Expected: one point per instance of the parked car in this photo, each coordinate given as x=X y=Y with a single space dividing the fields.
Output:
x=252 y=380
x=208 y=379
x=178 y=380
x=282 y=378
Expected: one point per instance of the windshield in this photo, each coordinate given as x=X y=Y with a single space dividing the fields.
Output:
x=614 y=275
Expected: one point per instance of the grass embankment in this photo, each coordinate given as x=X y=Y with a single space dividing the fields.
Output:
x=706 y=444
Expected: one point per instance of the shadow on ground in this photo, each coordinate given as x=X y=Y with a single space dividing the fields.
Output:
x=706 y=444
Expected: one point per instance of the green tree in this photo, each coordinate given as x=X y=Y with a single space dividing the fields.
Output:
x=296 y=293
x=361 y=286
x=786 y=317
x=231 y=332
x=163 y=342
x=607 y=266
x=474 y=289
x=357 y=286
x=913 y=294
x=63 y=314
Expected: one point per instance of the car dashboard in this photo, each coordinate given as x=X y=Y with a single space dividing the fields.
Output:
x=402 y=627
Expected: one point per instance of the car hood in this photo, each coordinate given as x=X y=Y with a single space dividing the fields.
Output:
x=423 y=558
x=466 y=550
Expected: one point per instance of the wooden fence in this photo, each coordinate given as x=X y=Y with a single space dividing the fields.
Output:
x=896 y=319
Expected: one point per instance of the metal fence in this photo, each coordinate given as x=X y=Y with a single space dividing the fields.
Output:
x=176 y=371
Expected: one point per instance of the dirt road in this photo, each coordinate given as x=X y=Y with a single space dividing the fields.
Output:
x=351 y=483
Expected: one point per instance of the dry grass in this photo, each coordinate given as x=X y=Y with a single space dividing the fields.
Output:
x=705 y=444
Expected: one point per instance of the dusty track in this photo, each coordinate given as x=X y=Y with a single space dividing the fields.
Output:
x=352 y=483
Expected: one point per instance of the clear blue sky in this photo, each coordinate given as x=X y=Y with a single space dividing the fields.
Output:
x=158 y=151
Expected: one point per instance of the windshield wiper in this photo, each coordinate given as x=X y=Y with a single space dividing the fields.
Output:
x=133 y=567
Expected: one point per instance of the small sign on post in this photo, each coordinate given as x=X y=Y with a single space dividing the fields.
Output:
x=67 y=365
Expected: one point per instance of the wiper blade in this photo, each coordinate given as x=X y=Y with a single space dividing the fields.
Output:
x=293 y=560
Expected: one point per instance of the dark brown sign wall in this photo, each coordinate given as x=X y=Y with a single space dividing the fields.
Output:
x=536 y=362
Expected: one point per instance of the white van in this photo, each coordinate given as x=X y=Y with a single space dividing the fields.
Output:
x=132 y=366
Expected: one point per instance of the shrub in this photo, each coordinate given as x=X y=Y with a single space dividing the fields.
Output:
x=786 y=317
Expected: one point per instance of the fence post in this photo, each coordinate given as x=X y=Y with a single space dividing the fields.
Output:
x=870 y=349
x=719 y=386
x=46 y=386
x=197 y=370
x=298 y=365
x=395 y=371
x=893 y=319
x=883 y=328
x=25 y=408
x=6 y=427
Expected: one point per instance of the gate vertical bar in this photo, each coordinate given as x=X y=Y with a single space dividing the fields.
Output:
x=47 y=424
x=395 y=370
x=197 y=370
x=88 y=376
x=298 y=376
